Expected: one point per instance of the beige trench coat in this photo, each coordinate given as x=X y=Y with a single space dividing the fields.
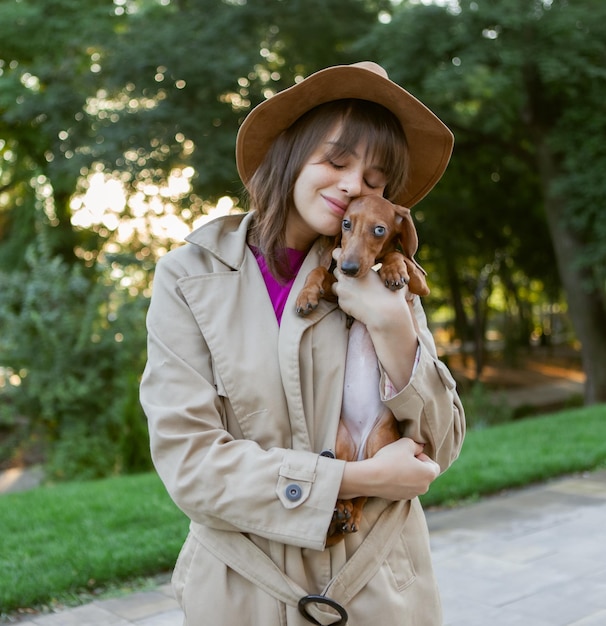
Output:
x=239 y=410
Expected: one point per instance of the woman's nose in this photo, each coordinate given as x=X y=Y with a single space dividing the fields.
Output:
x=351 y=182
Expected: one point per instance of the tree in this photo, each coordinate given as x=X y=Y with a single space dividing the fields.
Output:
x=147 y=90
x=142 y=91
x=524 y=81
x=47 y=73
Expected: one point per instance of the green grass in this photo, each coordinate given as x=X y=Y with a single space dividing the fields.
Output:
x=62 y=543
x=523 y=452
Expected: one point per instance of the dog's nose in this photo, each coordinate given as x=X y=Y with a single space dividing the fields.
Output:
x=350 y=268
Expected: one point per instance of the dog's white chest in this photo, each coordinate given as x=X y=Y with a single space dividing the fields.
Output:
x=361 y=400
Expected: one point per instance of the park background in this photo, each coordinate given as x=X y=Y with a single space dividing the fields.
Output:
x=117 y=133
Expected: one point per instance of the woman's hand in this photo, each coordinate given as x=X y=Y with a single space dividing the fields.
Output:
x=410 y=469
x=399 y=471
x=388 y=318
x=367 y=299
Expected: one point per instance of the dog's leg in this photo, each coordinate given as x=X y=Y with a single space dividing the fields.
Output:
x=346 y=519
x=384 y=432
x=318 y=284
x=345 y=449
x=366 y=423
x=348 y=513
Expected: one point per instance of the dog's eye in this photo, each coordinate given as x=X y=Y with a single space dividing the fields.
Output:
x=346 y=224
x=379 y=231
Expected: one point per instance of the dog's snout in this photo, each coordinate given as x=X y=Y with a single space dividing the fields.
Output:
x=350 y=268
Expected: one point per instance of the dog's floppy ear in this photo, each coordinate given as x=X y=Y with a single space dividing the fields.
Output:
x=330 y=243
x=409 y=242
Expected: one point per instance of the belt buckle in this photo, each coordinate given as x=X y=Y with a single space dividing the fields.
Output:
x=318 y=599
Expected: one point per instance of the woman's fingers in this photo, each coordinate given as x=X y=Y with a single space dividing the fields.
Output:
x=405 y=471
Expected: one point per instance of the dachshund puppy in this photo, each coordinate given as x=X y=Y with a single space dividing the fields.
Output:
x=373 y=231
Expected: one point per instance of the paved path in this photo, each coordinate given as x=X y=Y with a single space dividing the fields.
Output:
x=556 y=392
x=534 y=557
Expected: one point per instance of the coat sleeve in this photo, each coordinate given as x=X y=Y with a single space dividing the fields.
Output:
x=216 y=479
x=429 y=407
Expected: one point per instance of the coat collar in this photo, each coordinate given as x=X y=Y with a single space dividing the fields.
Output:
x=225 y=238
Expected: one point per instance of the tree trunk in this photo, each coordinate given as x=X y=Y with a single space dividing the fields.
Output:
x=461 y=322
x=585 y=302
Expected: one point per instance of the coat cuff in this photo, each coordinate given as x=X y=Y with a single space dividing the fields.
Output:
x=310 y=483
x=389 y=390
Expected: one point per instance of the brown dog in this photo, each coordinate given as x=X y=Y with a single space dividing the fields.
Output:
x=373 y=230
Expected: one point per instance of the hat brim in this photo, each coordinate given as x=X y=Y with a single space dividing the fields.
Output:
x=430 y=142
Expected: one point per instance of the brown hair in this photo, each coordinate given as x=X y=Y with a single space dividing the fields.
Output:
x=270 y=190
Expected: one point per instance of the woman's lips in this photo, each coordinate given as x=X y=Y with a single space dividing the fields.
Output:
x=337 y=206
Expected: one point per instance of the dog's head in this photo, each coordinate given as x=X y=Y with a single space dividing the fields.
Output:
x=373 y=226
x=370 y=228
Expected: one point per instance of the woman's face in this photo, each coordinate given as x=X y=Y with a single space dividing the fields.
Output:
x=325 y=187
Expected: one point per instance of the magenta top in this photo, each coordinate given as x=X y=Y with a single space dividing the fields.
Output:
x=278 y=291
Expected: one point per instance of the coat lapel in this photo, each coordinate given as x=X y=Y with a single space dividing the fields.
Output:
x=291 y=335
x=234 y=312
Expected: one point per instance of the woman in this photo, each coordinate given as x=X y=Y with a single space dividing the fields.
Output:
x=243 y=395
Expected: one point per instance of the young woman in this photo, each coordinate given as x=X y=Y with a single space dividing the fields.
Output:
x=243 y=396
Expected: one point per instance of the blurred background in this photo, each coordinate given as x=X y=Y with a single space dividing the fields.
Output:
x=117 y=132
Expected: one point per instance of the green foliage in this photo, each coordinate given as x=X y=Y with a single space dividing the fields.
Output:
x=483 y=408
x=172 y=59
x=74 y=348
x=584 y=184
x=46 y=52
x=521 y=84
x=140 y=89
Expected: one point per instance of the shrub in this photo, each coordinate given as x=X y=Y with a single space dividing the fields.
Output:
x=72 y=348
x=485 y=409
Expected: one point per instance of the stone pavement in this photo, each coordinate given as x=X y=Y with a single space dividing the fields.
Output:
x=533 y=557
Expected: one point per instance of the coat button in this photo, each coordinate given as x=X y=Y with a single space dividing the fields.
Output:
x=293 y=492
x=328 y=453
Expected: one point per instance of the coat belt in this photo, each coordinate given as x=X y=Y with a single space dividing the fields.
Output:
x=243 y=556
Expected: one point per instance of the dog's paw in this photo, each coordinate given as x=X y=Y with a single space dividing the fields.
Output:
x=308 y=300
x=344 y=519
x=394 y=275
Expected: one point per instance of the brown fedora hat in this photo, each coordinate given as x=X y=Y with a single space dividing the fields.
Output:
x=430 y=142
